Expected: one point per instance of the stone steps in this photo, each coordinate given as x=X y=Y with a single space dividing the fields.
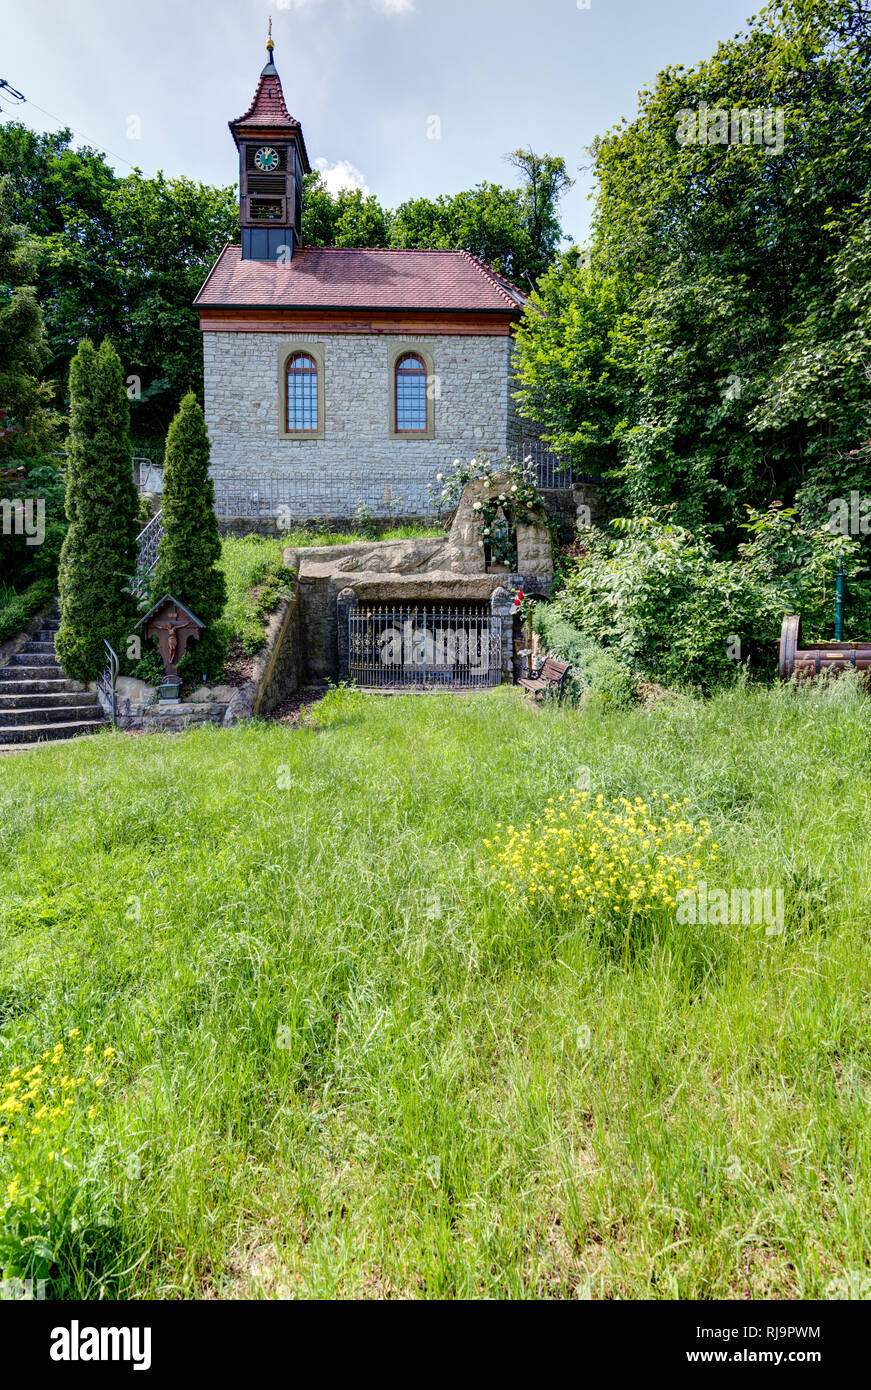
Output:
x=28 y=657
x=37 y=686
x=20 y=698
x=39 y=733
x=49 y=715
x=38 y=704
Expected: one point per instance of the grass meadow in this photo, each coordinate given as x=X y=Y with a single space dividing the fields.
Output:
x=311 y=1050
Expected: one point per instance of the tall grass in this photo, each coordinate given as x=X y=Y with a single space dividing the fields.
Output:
x=256 y=579
x=304 y=537
x=344 y=1067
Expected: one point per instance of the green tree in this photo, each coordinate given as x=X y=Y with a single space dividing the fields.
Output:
x=487 y=221
x=29 y=424
x=118 y=257
x=190 y=547
x=544 y=182
x=98 y=555
x=346 y=218
x=515 y=231
x=740 y=374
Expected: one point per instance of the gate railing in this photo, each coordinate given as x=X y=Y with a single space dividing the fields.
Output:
x=550 y=470
x=426 y=647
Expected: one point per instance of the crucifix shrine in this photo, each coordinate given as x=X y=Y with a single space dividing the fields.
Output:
x=174 y=626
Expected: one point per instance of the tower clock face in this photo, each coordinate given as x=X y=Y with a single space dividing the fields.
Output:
x=266 y=159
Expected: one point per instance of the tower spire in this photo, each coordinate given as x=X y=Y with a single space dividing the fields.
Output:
x=270 y=70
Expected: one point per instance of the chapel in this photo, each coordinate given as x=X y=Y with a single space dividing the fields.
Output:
x=341 y=382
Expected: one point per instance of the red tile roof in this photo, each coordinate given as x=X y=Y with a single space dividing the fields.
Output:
x=268 y=107
x=350 y=278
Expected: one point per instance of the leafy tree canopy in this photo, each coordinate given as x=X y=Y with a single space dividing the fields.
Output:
x=712 y=346
x=516 y=231
x=120 y=258
x=28 y=423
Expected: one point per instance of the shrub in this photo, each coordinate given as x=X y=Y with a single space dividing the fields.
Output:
x=190 y=548
x=659 y=597
x=98 y=555
x=18 y=612
x=616 y=861
x=592 y=667
x=800 y=562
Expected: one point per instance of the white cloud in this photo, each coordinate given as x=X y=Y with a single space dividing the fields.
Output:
x=341 y=175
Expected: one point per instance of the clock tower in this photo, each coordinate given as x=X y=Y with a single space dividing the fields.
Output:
x=272 y=162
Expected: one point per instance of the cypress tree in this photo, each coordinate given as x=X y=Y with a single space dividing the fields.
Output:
x=98 y=555
x=190 y=547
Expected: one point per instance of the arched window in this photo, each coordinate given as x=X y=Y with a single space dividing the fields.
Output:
x=302 y=393
x=411 y=398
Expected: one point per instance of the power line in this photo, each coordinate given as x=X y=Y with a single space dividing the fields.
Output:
x=11 y=91
x=19 y=97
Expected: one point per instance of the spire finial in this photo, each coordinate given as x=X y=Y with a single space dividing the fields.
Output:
x=269 y=44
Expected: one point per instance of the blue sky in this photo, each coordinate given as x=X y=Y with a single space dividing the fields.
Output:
x=365 y=77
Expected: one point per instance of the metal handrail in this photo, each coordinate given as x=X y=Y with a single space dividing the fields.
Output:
x=147 y=543
x=106 y=683
x=151 y=472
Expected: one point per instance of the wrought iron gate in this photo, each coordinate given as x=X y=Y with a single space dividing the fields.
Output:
x=429 y=647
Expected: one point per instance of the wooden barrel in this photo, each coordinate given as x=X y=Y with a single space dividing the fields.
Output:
x=808 y=661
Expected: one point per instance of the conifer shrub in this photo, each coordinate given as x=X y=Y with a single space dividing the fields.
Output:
x=190 y=548
x=98 y=555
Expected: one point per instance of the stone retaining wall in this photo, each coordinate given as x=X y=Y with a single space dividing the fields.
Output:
x=277 y=668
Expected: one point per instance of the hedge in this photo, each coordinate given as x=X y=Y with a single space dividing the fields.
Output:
x=592 y=667
x=17 y=614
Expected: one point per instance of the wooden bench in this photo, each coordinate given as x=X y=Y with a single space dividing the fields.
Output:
x=551 y=678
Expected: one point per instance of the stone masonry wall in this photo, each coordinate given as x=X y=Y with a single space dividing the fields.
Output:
x=357 y=463
x=521 y=432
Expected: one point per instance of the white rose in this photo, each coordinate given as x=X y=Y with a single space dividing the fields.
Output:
x=476 y=506
x=440 y=477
